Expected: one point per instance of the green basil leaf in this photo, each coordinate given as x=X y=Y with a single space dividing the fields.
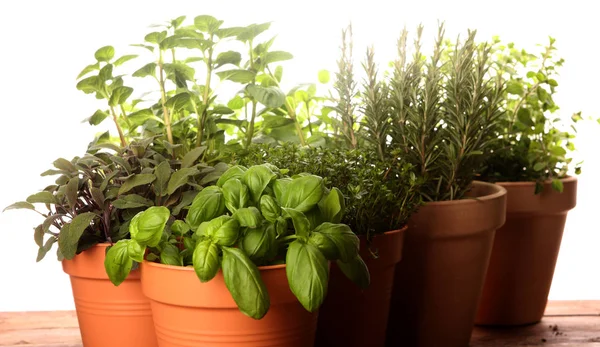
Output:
x=206 y=260
x=179 y=178
x=307 y=273
x=303 y=193
x=332 y=206
x=136 y=251
x=248 y=217
x=259 y=244
x=301 y=223
x=280 y=186
x=236 y=194
x=70 y=234
x=257 y=178
x=179 y=227
x=346 y=241
x=356 y=270
x=243 y=281
x=170 y=255
x=208 y=204
x=281 y=226
x=270 y=208
x=224 y=230
x=233 y=172
x=117 y=262
x=146 y=227
x=163 y=174
x=325 y=245
x=136 y=181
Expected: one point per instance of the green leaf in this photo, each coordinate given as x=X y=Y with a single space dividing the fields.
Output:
x=20 y=205
x=275 y=56
x=170 y=255
x=89 y=85
x=186 y=200
x=136 y=181
x=301 y=223
x=271 y=97
x=259 y=243
x=146 y=227
x=88 y=69
x=178 y=101
x=146 y=70
x=236 y=195
x=190 y=157
x=71 y=192
x=307 y=273
x=257 y=178
x=243 y=281
x=105 y=53
x=269 y=208
x=224 y=230
x=229 y=57
x=557 y=185
x=236 y=171
x=155 y=37
x=131 y=201
x=303 y=193
x=97 y=117
x=237 y=75
x=332 y=206
x=180 y=178
x=64 y=164
x=42 y=251
x=117 y=262
x=236 y=103
x=41 y=197
x=179 y=227
x=324 y=76
x=356 y=270
x=208 y=204
x=206 y=260
x=163 y=174
x=38 y=235
x=341 y=235
x=207 y=24
x=514 y=87
x=539 y=166
x=124 y=59
x=553 y=83
x=105 y=73
x=252 y=31
x=249 y=217
x=278 y=74
x=71 y=233
x=280 y=187
x=136 y=251
x=120 y=95
x=325 y=245
x=558 y=151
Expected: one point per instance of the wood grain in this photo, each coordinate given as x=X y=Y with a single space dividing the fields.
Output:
x=566 y=323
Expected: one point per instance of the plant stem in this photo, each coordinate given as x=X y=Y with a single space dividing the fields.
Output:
x=119 y=130
x=163 y=97
x=202 y=118
x=250 y=133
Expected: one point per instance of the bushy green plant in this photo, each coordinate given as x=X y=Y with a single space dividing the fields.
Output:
x=251 y=216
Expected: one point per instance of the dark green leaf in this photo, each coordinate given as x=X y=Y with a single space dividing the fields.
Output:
x=64 y=164
x=47 y=246
x=325 y=245
x=41 y=197
x=131 y=201
x=20 y=205
x=259 y=243
x=308 y=274
x=186 y=200
x=97 y=196
x=72 y=191
x=356 y=270
x=136 y=181
x=257 y=178
x=38 y=235
x=180 y=178
x=170 y=255
x=208 y=204
x=192 y=156
x=301 y=223
x=163 y=174
x=178 y=101
x=206 y=260
x=303 y=193
x=269 y=208
x=70 y=234
x=248 y=217
x=345 y=240
x=97 y=117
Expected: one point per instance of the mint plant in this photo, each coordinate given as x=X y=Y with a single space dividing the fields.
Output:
x=252 y=216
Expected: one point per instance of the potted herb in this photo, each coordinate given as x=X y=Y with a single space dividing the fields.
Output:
x=444 y=111
x=531 y=161
x=254 y=242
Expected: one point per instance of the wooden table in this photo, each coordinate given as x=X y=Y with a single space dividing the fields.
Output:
x=566 y=323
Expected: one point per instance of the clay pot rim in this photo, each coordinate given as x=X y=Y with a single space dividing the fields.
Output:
x=566 y=179
x=191 y=268
x=500 y=191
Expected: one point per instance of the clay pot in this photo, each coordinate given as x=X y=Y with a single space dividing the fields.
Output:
x=438 y=283
x=188 y=313
x=354 y=317
x=525 y=252
x=108 y=315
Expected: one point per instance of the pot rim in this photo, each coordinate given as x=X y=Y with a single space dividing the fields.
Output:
x=500 y=191
x=191 y=268
x=566 y=179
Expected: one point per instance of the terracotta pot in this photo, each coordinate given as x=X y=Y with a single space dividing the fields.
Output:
x=190 y=313
x=438 y=283
x=354 y=317
x=524 y=254
x=108 y=316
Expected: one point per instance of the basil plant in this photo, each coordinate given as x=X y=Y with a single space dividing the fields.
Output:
x=252 y=217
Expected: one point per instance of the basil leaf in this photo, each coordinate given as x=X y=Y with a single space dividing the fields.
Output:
x=243 y=281
x=280 y=187
x=270 y=208
x=117 y=262
x=341 y=235
x=332 y=206
x=356 y=270
x=206 y=260
x=325 y=245
x=248 y=217
x=224 y=230
x=208 y=204
x=236 y=195
x=259 y=244
x=170 y=255
x=257 y=178
x=136 y=251
x=233 y=172
x=146 y=227
x=179 y=227
x=301 y=223
x=307 y=273
x=303 y=193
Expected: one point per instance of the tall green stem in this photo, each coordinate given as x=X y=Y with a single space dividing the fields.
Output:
x=163 y=98
x=205 y=101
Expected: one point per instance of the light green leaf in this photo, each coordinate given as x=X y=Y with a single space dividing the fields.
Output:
x=269 y=208
x=557 y=185
x=97 y=117
x=275 y=56
x=146 y=227
x=303 y=193
x=208 y=204
x=271 y=97
x=179 y=227
x=248 y=217
x=259 y=243
x=237 y=75
x=117 y=262
x=124 y=59
x=136 y=251
x=19 y=205
x=207 y=24
x=308 y=274
x=332 y=206
x=257 y=178
x=120 y=95
x=236 y=171
x=105 y=53
x=206 y=260
x=324 y=76
x=236 y=194
x=88 y=69
x=178 y=101
x=229 y=57
x=147 y=70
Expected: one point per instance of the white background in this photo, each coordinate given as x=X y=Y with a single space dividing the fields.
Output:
x=44 y=45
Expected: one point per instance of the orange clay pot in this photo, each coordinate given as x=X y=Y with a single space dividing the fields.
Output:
x=108 y=316
x=525 y=252
x=189 y=313
x=353 y=317
x=438 y=283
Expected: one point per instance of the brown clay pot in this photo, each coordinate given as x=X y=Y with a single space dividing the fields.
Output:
x=525 y=252
x=438 y=283
x=108 y=316
x=189 y=313
x=353 y=317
